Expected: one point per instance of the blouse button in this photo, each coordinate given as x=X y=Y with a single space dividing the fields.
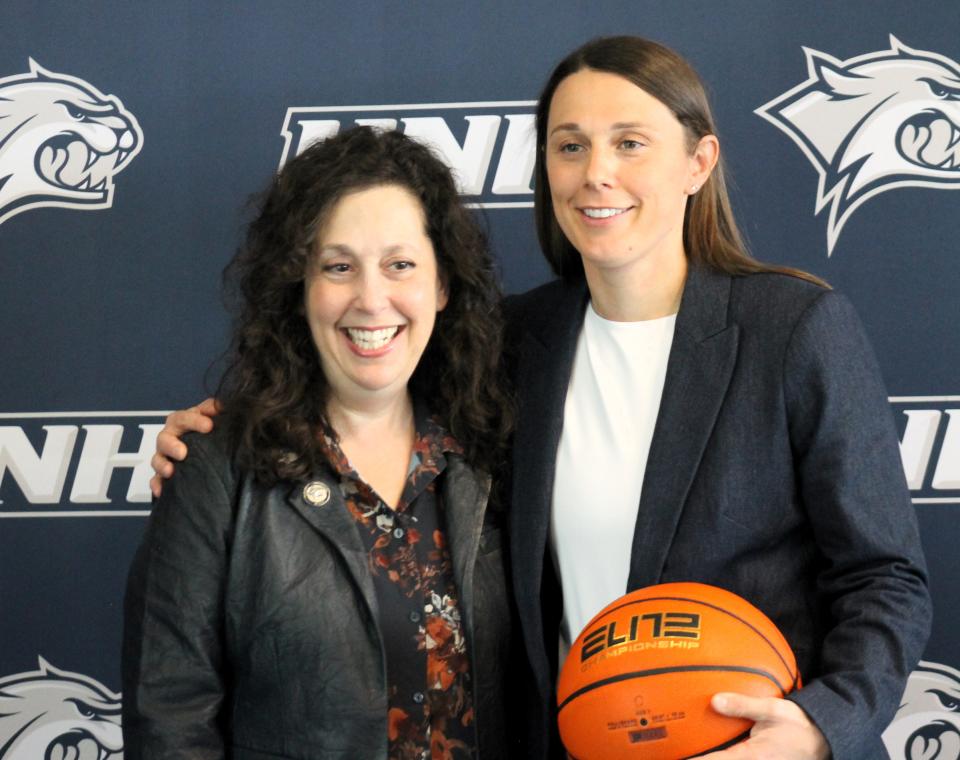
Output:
x=418 y=697
x=414 y=617
x=398 y=532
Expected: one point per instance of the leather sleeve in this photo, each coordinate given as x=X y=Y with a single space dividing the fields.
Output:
x=173 y=645
x=853 y=487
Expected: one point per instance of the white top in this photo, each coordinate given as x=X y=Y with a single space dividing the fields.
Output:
x=608 y=421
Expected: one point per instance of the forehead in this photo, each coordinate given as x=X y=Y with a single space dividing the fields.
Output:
x=380 y=211
x=596 y=98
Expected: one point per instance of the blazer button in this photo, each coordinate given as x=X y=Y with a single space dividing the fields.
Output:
x=316 y=493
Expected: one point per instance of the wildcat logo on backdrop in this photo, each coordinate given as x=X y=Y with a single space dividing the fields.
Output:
x=52 y=714
x=61 y=142
x=873 y=123
x=927 y=725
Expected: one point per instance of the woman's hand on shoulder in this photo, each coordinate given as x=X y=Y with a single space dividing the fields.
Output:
x=781 y=730
x=170 y=449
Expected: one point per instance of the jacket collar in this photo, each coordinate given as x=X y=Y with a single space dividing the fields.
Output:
x=324 y=510
x=545 y=353
x=464 y=496
x=699 y=369
x=698 y=373
x=545 y=361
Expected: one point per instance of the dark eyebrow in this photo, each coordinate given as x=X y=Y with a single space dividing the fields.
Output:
x=346 y=250
x=333 y=248
x=573 y=127
x=568 y=127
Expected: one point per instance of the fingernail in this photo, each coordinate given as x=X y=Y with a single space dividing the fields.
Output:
x=720 y=702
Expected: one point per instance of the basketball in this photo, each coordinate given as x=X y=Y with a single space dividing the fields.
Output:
x=638 y=680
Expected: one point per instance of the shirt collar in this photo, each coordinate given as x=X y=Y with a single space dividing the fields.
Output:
x=430 y=444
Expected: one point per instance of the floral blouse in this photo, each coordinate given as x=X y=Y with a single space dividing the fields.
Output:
x=429 y=683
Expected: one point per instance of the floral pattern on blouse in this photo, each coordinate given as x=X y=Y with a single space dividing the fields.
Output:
x=430 y=696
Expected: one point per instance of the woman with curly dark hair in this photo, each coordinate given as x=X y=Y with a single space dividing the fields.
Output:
x=323 y=577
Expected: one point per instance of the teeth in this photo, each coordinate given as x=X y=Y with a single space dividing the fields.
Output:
x=371 y=340
x=73 y=171
x=52 y=160
x=935 y=144
x=47 y=157
x=602 y=213
x=88 y=749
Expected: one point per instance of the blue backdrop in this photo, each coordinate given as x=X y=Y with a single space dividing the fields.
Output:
x=133 y=133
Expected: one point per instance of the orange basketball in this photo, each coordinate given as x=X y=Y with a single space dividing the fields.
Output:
x=638 y=680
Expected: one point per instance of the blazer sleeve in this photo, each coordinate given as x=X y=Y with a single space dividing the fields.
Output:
x=852 y=483
x=173 y=652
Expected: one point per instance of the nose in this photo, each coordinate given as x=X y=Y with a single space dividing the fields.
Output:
x=372 y=292
x=600 y=170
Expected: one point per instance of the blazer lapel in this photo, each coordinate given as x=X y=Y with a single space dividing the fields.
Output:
x=545 y=360
x=464 y=502
x=701 y=363
x=332 y=520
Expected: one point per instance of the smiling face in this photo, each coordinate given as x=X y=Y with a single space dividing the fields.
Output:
x=620 y=169
x=372 y=294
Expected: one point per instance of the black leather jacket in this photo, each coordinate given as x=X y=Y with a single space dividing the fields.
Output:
x=251 y=625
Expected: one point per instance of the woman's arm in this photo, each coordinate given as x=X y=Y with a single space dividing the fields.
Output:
x=850 y=476
x=173 y=645
x=873 y=582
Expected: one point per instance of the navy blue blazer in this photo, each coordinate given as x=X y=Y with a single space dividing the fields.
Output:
x=774 y=472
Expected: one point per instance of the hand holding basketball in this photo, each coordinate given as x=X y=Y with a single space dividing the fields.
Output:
x=638 y=682
x=781 y=730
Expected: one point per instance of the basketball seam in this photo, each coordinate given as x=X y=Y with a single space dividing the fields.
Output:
x=662 y=671
x=723 y=745
x=794 y=675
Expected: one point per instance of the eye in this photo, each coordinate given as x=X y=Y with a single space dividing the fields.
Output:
x=337 y=268
x=631 y=144
x=570 y=147
x=84 y=709
x=949 y=702
x=75 y=113
x=402 y=266
x=942 y=91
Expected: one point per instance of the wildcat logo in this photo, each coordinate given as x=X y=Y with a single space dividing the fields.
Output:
x=927 y=725
x=50 y=713
x=61 y=142
x=873 y=123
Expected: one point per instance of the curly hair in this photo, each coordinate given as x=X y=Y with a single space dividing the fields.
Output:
x=274 y=391
x=710 y=234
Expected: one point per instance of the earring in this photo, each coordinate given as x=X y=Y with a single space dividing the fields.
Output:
x=694 y=189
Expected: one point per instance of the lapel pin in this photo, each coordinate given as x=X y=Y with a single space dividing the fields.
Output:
x=316 y=493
